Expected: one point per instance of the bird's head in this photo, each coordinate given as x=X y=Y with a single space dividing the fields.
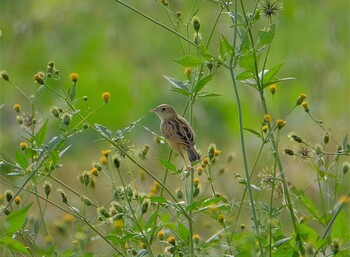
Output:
x=164 y=112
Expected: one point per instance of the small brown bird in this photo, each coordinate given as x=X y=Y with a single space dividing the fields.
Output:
x=177 y=131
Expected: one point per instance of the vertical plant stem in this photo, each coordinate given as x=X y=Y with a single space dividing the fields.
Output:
x=240 y=119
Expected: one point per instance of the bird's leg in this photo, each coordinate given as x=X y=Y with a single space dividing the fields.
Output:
x=188 y=167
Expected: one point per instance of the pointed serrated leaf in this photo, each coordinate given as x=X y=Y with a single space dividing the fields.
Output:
x=41 y=135
x=21 y=160
x=14 y=245
x=183 y=231
x=189 y=61
x=270 y=74
x=72 y=91
x=277 y=81
x=266 y=35
x=181 y=91
x=168 y=165
x=103 y=130
x=16 y=219
x=200 y=84
x=226 y=47
x=253 y=132
x=38 y=92
x=206 y=94
x=177 y=83
x=244 y=75
x=247 y=61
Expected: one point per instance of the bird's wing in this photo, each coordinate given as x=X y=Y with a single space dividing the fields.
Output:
x=178 y=131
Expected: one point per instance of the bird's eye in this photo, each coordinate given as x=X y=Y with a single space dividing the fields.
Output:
x=163 y=109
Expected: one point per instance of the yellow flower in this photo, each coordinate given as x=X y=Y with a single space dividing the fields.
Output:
x=187 y=71
x=39 y=78
x=267 y=118
x=205 y=160
x=23 y=146
x=106 y=96
x=143 y=245
x=171 y=240
x=344 y=199
x=94 y=171
x=200 y=170
x=196 y=182
x=280 y=123
x=118 y=224
x=74 y=77
x=68 y=218
x=305 y=105
x=17 y=200
x=221 y=218
x=103 y=160
x=17 y=108
x=264 y=128
x=300 y=99
x=217 y=152
x=106 y=152
x=196 y=238
x=161 y=235
x=273 y=88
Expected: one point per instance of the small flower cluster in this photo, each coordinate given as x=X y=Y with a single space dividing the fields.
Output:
x=51 y=69
x=301 y=101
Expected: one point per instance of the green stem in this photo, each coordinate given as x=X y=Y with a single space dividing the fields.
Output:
x=156 y=22
x=241 y=130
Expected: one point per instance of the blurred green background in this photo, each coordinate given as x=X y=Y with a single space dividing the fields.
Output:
x=113 y=49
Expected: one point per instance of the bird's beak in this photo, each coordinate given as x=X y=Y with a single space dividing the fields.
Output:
x=151 y=110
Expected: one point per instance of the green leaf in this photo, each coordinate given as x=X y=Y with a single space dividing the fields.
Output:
x=266 y=35
x=283 y=252
x=103 y=130
x=38 y=92
x=181 y=91
x=282 y=241
x=189 y=61
x=268 y=75
x=253 y=132
x=247 y=61
x=308 y=234
x=168 y=165
x=204 y=203
x=164 y=218
x=310 y=206
x=276 y=81
x=244 y=75
x=183 y=231
x=13 y=244
x=71 y=91
x=21 y=159
x=41 y=135
x=206 y=94
x=177 y=83
x=341 y=227
x=158 y=199
x=151 y=221
x=226 y=47
x=16 y=219
x=200 y=84
x=244 y=243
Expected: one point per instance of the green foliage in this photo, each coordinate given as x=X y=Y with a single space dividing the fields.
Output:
x=12 y=224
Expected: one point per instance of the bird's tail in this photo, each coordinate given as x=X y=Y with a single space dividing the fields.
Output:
x=192 y=154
